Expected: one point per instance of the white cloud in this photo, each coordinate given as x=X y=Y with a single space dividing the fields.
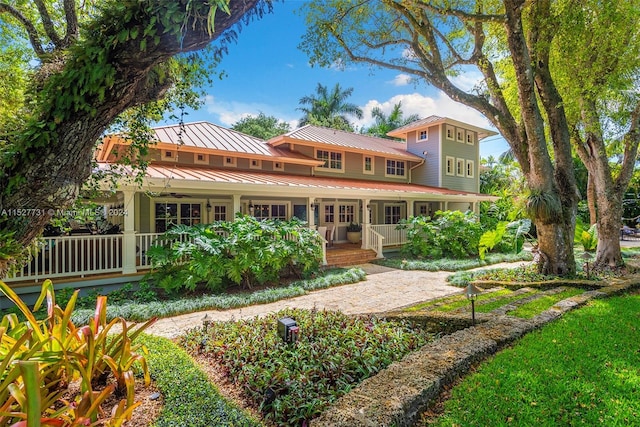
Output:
x=401 y=80
x=468 y=80
x=226 y=113
x=424 y=106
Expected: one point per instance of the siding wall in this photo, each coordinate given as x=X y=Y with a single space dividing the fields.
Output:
x=463 y=151
x=429 y=172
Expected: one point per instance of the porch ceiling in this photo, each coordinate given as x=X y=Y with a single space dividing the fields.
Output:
x=199 y=179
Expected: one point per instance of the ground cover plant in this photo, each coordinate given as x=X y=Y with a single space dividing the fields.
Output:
x=292 y=383
x=245 y=251
x=581 y=369
x=189 y=398
x=507 y=298
x=141 y=311
x=449 y=264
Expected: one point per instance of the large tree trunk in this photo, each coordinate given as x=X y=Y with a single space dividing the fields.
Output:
x=591 y=199
x=53 y=155
x=608 y=254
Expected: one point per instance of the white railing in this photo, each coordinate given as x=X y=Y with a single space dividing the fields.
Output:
x=375 y=241
x=145 y=240
x=66 y=256
x=392 y=236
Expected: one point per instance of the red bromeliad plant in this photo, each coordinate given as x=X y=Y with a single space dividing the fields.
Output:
x=40 y=358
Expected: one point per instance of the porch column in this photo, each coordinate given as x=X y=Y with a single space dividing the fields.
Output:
x=311 y=217
x=410 y=204
x=236 y=206
x=129 y=233
x=365 y=223
x=445 y=206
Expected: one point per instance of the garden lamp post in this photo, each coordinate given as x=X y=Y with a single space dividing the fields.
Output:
x=586 y=256
x=472 y=293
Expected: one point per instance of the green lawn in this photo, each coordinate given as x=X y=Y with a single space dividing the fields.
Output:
x=583 y=369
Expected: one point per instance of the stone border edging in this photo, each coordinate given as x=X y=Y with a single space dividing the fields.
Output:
x=398 y=394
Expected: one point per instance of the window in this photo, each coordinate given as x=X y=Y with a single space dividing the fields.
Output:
x=367 y=165
x=332 y=159
x=278 y=166
x=255 y=164
x=201 y=159
x=449 y=167
x=470 y=168
x=219 y=213
x=263 y=211
x=470 y=138
x=449 y=132
x=170 y=214
x=392 y=214
x=460 y=167
x=459 y=135
x=329 y=214
x=169 y=156
x=346 y=214
x=395 y=168
x=423 y=135
x=231 y=161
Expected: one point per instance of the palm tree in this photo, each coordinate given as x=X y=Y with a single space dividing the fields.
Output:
x=329 y=109
x=385 y=124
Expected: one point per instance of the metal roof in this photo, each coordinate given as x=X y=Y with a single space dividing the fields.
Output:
x=402 y=131
x=345 y=140
x=186 y=177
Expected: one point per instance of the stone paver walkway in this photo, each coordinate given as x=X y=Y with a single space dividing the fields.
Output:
x=384 y=289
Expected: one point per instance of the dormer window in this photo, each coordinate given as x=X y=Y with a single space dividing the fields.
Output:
x=278 y=166
x=231 y=161
x=201 y=159
x=255 y=164
x=423 y=135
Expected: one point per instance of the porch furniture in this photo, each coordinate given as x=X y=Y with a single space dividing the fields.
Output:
x=330 y=234
x=322 y=231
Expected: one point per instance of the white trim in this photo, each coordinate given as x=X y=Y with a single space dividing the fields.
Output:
x=473 y=168
x=450 y=132
x=450 y=171
x=386 y=167
x=403 y=211
x=257 y=165
x=426 y=135
x=470 y=137
x=343 y=159
x=172 y=156
x=204 y=161
x=460 y=135
x=288 y=211
x=373 y=164
x=460 y=167
x=178 y=217
x=230 y=161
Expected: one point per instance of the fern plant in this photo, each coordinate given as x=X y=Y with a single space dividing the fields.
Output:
x=587 y=236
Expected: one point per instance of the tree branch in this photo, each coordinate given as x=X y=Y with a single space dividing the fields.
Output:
x=71 y=15
x=31 y=30
x=462 y=15
x=47 y=23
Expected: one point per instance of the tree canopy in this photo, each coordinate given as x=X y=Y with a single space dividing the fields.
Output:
x=386 y=123
x=329 y=108
x=261 y=126
x=81 y=65
x=514 y=48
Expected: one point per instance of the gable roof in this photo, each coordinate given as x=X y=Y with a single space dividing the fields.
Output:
x=402 y=131
x=333 y=138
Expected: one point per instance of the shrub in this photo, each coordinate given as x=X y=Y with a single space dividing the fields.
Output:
x=451 y=234
x=40 y=358
x=293 y=383
x=245 y=251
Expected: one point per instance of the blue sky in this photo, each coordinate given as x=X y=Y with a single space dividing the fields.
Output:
x=266 y=72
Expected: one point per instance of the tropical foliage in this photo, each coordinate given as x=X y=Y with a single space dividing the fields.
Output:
x=40 y=359
x=386 y=123
x=451 y=234
x=292 y=383
x=245 y=252
x=329 y=108
x=261 y=126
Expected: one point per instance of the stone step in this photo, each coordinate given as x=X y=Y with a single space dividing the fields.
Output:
x=348 y=258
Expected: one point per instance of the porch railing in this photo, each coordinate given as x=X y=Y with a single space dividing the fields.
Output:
x=67 y=256
x=374 y=241
x=392 y=236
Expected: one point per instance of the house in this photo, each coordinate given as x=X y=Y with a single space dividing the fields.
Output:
x=201 y=172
